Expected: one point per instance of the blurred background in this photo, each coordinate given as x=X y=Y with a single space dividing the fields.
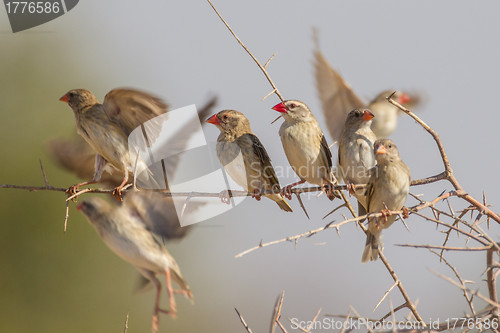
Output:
x=53 y=281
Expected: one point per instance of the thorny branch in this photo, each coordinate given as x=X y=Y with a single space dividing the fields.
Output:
x=448 y=172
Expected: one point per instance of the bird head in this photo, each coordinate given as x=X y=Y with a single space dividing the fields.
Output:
x=95 y=209
x=230 y=121
x=79 y=99
x=359 y=117
x=293 y=110
x=385 y=150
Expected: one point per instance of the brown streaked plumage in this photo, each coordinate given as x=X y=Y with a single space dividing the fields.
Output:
x=125 y=233
x=106 y=126
x=244 y=157
x=338 y=99
x=387 y=189
x=355 y=154
x=305 y=145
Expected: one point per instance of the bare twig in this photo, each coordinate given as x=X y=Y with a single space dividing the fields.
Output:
x=243 y=321
x=472 y=292
x=447 y=166
x=277 y=311
x=262 y=68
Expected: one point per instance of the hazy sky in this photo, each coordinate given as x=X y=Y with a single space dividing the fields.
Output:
x=448 y=51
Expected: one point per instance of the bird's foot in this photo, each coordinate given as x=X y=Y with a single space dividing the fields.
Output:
x=256 y=195
x=225 y=196
x=329 y=190
x=73 y=189
x=385 y=212
x=183 y=292
x=117 y=193
x=287 y=192
x=156 y=318
x=406 y=212
x=351 y=189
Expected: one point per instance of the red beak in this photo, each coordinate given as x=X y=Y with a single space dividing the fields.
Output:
x=405 y=98
x=213 y=120
x=367 y=115
x=380 y=150
x=280 y=107
x=64 y=99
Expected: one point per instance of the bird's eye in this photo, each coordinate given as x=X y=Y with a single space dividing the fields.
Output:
x=224 y=117
x=292 y=106
x=390 y=146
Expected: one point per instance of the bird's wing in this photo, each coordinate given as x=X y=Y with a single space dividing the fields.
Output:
x=326 y=154
x=76 y=156
x=186 y=131
x=264 y=160
x=157 y=213
x=130 y=108
x=337 y=97
x=370 y=188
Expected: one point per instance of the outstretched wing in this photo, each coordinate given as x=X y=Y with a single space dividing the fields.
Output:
x=130 y=108
x=337 y=97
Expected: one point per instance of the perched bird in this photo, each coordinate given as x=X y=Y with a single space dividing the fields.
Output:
x=387 y=190
x=244 y=157
x=125 y=233
x=355 y=152
x=338 y=98
x=106 y=126
x=77 y=156
x=305 y=146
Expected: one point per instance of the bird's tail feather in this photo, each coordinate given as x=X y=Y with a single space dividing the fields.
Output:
x=281 y=202
x=371 y=248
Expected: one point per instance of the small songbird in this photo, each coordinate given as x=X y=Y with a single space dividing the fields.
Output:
x=106 y=126
x=305 y=146
x=338 y=98
x=355 y=152
x=126 y=234
x=77 y=156
x=244 y=157
x=387 y=190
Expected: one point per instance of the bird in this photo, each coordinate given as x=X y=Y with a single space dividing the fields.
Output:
x=387 y=191
x=244 y=157
x=338 y=99
x=106 y=127
x=355 y=153
x=305 y=146
x=126 y=234
x=77 y=156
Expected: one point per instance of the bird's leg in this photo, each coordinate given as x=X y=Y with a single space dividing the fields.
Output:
x=256 y=195
x=225 y=196
x=157 y=309
x=170 y=293
x=117 y=192
x=287 y=190
x=73 y=189
x=99 y=165
x=406 y=212
x=385 y=212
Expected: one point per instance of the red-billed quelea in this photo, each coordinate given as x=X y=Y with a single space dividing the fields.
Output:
x=387 y=190
x=125 y=234
x=106 y=126
x=305 y=146
x=355 y=152
x=244 y=157
x=338 y=98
